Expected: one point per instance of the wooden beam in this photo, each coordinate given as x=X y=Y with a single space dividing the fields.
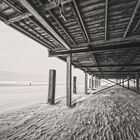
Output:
x=137 y=82
x=68 y=81
x=97 y=49
x=136 y=26
x=18 y=18
x=132 y=18
x=74 y=84
x=114 y=65
x=66 y=32
x=25 y=32
x=134 y=71
x=81 y=20
x=52 y=85
x=42 y=20
x=86 y=82
x=45 y=40
x=106 y=20
x=128 y=85
x=128 y=58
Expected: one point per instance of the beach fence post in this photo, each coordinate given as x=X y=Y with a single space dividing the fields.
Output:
x=52 y=85
x=86 y=82
x=137 y=83
x=74 y=84
x=68 y=81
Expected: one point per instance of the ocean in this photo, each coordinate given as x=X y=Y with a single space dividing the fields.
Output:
x=16 y=96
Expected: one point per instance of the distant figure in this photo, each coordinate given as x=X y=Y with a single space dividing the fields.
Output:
x=30 y=84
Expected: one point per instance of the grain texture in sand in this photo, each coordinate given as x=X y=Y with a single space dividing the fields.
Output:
x=111 y=115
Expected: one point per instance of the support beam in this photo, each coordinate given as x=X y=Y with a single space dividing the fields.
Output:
x=97 y=49
x=137 y=83
x=92 y=86
x=106 y=20
x=136 y=26
x=68 y=81
x=132 y=18
x=74 y=85
x=128 y=84
x=41 y=19
x=114 y=65
x=81 y=20
x=86 y=82
x=52 y=85
x=96 y=72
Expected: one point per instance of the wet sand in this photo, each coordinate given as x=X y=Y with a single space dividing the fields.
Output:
x=113 y=114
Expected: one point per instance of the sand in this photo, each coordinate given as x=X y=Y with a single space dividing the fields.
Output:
x=110 y=115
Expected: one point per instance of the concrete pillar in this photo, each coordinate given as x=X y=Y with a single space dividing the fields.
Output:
x=86 y=82
x=74 y=84
x=68 y=81
x=52 y=85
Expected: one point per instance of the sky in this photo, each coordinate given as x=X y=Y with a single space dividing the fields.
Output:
x=23 y=59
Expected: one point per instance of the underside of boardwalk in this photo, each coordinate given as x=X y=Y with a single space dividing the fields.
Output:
x=113 y=114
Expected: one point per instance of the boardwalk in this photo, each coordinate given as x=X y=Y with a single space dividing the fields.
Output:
x=111 y=115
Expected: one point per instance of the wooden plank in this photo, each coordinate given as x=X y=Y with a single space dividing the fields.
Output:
x=132 y=18
x=106 y=20
x=96 y=49
x=52 y=85
x=68 y=81
x=41 y=19
x=86 y=82
x=74 y=85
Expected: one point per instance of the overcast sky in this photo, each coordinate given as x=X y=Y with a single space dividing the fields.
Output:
x=23 y=56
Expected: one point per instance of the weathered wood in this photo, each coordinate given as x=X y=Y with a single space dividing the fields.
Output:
x=86 y=82
x=74 y=85
x=111 y=65
x=41 y=19
x=92 y=82
x=52 y=85
x=106 y=20
x=132 y=18
x=128 y=85
x=96 y=49
x=68 y=81
x=137 y=83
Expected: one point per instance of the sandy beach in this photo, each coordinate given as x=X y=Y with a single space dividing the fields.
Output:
x=113 y=114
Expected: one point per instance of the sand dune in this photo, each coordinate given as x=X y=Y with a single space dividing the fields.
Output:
x=111 y=115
